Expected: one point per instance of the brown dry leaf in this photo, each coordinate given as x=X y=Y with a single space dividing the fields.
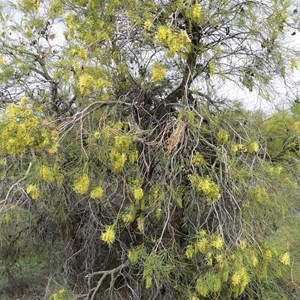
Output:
x=176 y=136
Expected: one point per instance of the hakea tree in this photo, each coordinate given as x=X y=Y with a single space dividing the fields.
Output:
x=114 y=136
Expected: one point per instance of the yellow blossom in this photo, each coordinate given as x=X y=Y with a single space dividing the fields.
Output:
x=140 y=223
x=210 y=189
x=261 y=194
x=24 y=101
x=97 y=134
x=119 y=162
x=33 y=191
x=82 y=53
x=46 y=173
x=133 y=156
x=223 y=136
x=285 y=259
x=81 y=186
x=159 y=73
x=129 y=217
x=133 y=256
x=97 y=193
x=158 y=214
x=189 y=251
x=138 y=193
x=294 y=65
x=164 y=34
x=218 y=243
x=197 y=13
x=109 y=236
x=198 y=159
x=254 y=260
x=253 y=147
x=201 y=287
x=85 y=83
x=2 y=61
x=148 y=25
x=212 y=69
x=202 y=245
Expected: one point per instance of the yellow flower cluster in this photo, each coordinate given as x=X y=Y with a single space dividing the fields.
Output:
x=109 y=236
x=190 y=251
x=238 y=148
x=86 y=82
x=207 y=243
x=130 y=216
x=201 y=287
x=179 y=42
x=294 y=65
x=212 y=69
x=261 y=194
x=164 y=34
x=22 y=129
x=46 y=173
x=159 y=73
x=133 y=156
x=119 y=162
x=175 y=41
x=197 y=13
x=138 y=194
x=81 y=186
x=33 y=191
x=140 y=224
x=253 y=147
x=97 y=193
x=2 y=61
x=198 y=159
x=285 y=259
x=240 y=280
x=123 y=142
x=210 y=189
x=97 y=134
x=148 y=25
x=223 y=136
x=133 y=256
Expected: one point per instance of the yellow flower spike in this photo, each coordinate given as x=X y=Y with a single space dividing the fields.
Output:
x=97 y=193
x=109 y=236
x=285 y=259
x=164 y=34
x=197 y=13
x=7 y=218
x=201 y=287
x=148 y=25
x=202 y=245
x=138 y=194
x=81 y=186
x=198 y=160
x=129 y=217
x=85 y=83
x=33 y=191
x=140 y=224
x=46 y=173
x=190 y=251
x=133 y=256
x=218 y=243
x=223 y=136
x=159 y=214
x=159 y=73
x=253 y=147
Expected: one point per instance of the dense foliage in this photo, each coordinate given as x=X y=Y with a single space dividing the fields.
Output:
x=121 y=161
